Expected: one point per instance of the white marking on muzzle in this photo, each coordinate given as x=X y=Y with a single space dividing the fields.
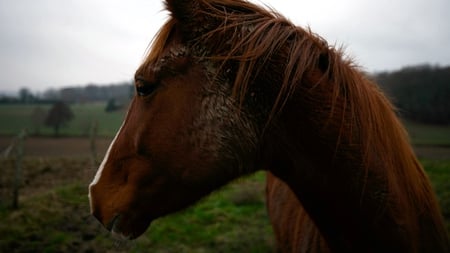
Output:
x=102 y=165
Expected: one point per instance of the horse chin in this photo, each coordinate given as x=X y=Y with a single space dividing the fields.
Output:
x=126 y=227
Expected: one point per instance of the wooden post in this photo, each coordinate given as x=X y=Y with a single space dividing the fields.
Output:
x=93 y=136
x=18 y=173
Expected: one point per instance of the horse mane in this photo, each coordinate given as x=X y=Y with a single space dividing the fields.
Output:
x=348 y=105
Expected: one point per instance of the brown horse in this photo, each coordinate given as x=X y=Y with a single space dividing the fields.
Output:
x=229 y=88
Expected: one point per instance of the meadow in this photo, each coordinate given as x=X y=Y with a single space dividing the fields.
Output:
x=53 y=213
x=17 y=117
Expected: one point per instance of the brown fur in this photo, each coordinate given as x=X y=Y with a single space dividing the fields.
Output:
x=350 y=181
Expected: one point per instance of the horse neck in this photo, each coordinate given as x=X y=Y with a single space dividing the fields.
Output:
x=359 y=202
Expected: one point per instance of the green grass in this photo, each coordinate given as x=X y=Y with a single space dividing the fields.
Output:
x=44 y=223
x=17 y=117
x=231 y=220
x=59 y=221
x=439 y=173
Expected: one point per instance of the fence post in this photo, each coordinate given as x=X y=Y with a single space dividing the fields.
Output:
x=93 y=137
x=18 y=173
x=5 y=154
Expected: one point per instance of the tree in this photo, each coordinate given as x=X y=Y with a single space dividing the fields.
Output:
x=422 y=93
x=58 y=116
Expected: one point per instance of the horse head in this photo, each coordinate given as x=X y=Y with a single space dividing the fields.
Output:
x=184 y=135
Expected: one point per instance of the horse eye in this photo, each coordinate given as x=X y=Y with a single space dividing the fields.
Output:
x=144 y=88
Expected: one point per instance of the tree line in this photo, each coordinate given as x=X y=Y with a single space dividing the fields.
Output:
x=120 y=93
x=421 y=93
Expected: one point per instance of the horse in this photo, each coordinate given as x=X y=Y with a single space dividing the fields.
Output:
x=228 y=88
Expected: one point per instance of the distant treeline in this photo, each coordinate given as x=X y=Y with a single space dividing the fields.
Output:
x=421 y=93
x=120 y=93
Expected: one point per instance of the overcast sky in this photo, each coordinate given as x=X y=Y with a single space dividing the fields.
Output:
x=54 y=43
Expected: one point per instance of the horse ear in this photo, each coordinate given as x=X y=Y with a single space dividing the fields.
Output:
x=182 y=10
x=190 y=15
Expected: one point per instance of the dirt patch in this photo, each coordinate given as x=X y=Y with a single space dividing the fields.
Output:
x=48 y=163
x=40 y=175
x=58 y=147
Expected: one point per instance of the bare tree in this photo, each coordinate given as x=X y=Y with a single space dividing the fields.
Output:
x=58 y=116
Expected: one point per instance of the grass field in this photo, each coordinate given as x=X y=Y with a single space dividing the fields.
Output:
x=14 y=118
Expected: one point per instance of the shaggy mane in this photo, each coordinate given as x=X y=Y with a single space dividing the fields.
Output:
x=350 y=107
